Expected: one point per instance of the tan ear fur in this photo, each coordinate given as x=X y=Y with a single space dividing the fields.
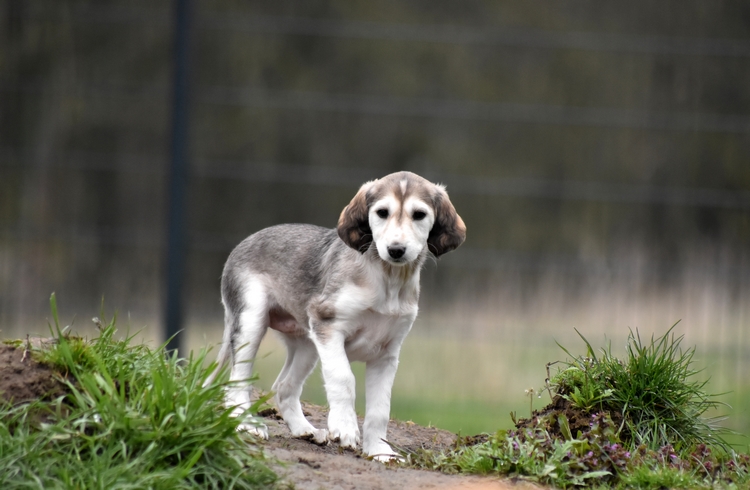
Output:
x=449 y=230
x=354 y=225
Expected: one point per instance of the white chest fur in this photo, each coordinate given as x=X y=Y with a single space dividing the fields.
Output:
x=377 y=335
x=375 y=317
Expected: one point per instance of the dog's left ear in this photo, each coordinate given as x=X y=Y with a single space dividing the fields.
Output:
x=449 y=230
x=354 y=225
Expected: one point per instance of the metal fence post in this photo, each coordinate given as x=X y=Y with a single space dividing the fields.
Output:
x=177 y=178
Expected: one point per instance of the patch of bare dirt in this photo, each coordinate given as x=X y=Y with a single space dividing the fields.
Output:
x=548 y=418
x=312 y=467
x=23 y=379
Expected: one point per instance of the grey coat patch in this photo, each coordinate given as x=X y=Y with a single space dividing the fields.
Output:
x=302 y=265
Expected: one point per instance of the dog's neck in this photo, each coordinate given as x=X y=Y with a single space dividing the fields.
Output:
x=397 y=273
x=402 y=273
x=399 y=284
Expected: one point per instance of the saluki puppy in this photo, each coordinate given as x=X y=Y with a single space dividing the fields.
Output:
x=338 y=295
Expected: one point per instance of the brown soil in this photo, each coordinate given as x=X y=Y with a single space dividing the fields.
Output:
x=23 y=379
x=312 y=467
x=547 y=418
x=302 y=464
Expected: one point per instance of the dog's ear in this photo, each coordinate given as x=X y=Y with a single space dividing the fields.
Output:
x=449 y=230
x=354 y=225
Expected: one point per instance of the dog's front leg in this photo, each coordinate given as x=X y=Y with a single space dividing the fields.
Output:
x=379 y=382
x=340 y=388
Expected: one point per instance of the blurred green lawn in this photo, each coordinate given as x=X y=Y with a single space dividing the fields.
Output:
x=470 y=387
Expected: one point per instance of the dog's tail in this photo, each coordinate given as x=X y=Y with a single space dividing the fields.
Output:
x=225 y=354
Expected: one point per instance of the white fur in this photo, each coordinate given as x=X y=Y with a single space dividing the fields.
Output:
x=392 y=231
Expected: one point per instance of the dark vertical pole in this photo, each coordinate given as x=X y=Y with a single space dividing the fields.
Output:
x=177 y=176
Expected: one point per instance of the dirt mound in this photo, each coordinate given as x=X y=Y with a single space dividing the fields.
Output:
x=311 y=467
x=406 y=435
x=23 y=379
x=548 y=418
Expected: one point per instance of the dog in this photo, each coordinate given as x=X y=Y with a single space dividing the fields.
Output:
x=339 y=295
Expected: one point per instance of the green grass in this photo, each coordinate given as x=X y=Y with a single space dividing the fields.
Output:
x=596 y=459
x=663 y=440
x=133 y=418
x=462 y=416
x=654 y=388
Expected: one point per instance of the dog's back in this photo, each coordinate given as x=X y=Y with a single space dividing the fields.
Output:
x=290 y=253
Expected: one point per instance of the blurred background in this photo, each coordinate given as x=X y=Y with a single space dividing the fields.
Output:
x=599 y=154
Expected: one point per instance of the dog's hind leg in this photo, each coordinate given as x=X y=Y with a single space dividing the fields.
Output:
x=248 y=323
x=300 y=361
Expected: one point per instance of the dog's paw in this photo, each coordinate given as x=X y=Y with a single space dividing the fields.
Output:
x=347 y=433
x=344 y=440
x=387 y=458
x=382 y=452
x=316 y=436
x=301 y=428
x=254 y=427
x=343 y=427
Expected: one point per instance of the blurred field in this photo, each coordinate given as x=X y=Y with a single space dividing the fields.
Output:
x=466 y=368
x=473 y=353
x=452 y=377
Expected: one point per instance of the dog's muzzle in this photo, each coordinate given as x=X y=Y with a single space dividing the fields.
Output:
x=396 y=252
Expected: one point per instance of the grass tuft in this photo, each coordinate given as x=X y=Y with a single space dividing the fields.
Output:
x=132 y=418
x=653 y=388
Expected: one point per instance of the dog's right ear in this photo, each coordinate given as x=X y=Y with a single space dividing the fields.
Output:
x=354 y=225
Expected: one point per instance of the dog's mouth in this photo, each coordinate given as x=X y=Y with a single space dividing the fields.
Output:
x=400 y=261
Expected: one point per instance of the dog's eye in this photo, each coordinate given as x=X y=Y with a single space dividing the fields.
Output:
x=418 y=215
x=383 y=213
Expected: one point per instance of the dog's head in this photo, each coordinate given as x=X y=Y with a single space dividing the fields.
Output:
x=402 y=213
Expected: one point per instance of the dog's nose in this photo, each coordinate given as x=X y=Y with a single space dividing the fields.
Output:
x=396 y=251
